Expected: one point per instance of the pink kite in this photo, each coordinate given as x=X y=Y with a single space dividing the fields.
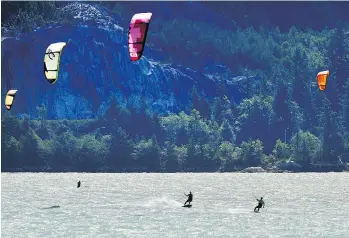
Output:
x=137 y=34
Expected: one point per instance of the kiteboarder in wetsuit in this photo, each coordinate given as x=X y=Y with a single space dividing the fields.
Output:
x=190 y=198
x=260 y=204
x=79 y=184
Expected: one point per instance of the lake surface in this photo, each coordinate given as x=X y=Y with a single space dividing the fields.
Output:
x=149 y=205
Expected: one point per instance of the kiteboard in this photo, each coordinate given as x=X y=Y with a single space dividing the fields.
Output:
x=189 y=205
x=56 y=206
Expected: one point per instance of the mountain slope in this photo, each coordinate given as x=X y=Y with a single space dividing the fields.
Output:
x=94 y=66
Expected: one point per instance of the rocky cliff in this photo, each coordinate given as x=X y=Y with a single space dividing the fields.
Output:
x=95 y=66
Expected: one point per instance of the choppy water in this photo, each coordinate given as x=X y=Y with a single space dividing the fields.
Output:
x=149 y=205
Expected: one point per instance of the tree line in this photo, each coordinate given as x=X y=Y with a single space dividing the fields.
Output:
x=283 y=116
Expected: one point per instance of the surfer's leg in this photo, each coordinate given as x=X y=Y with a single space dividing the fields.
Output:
x=259 y=207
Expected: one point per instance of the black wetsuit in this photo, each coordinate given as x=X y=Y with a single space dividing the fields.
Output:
x=260 y=205
x=190 y=198
x=79 y=183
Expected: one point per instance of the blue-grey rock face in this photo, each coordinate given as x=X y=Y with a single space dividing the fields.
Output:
x=94 y=65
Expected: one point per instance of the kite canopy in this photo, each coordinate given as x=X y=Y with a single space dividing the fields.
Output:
x=322 y=79
x=51 y=61
x=10 y=97
x=137 y=34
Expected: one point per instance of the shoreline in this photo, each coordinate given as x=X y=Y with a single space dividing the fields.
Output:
x=168 y=172
x=285 y=168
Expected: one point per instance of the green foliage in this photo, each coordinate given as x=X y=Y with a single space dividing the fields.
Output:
x=282 y=151
x=66 y=148
x=29 y=15
x=176 y=128
x=217 y=134
x=251 y=152
x=227 y=132
x=306 y=148
x=11 y=149
x=228 y=155
x=30 y=148
x=121 y=147
x=46 y=151
x=181 y=153
x=42 y=112
x=147 y=154
x=92 y=152
x=255 y=120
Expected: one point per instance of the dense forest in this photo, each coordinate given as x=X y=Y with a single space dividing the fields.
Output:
x=282 y=117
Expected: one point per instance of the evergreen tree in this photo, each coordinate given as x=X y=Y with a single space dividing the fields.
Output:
x=120 y=149
x=339 y=58
x=301 y=91
x=30 y=149
x=171 y=161
x=199 y=103
x=112 y=113
x=227 y=132
x=282 y=111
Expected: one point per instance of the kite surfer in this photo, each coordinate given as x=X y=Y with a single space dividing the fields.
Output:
x=190 y=198
x=79 y=184
x=260 y=204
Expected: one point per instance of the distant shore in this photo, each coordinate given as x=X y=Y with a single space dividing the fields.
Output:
x=313 y=169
